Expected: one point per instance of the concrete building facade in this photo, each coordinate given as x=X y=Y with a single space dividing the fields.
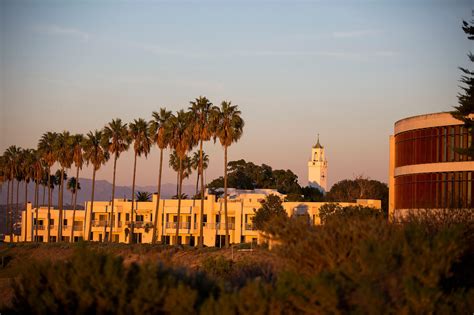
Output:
x=425 y=169
x=241 y=208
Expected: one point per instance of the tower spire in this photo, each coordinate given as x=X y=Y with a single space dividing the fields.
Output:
x=318 y=145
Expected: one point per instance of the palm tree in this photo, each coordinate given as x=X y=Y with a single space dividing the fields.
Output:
x=195 y=163
x=73 y=185
x=160 y=134
x=28 y=171
x=3 y=179
x=11 y=155
x=174 y=164
x=19 y=176
x=142 y=196
x=201 y=109
x=139 y=133
x=228 y=127
x=39 y=176
x=181 y=141
x=46 y=150
x=97 y=155
x=116 y=140
x=64 y=155
x=76 y=142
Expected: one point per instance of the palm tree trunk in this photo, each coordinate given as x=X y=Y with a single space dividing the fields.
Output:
x=11 y=208
x=157 y=208
x=7 y=217
x=179 y=197
x=177 y=183
x=48 y=233
x=155 y=223
x=44 y=193
x=74 y=204
x=197 y=185
x=17 y=208
x=37 y=209
x=227 y=239
x=91 y=209
x=113 y=197
x=132 y=222
x=60 y=206
x=26 y=209
x=201 y=224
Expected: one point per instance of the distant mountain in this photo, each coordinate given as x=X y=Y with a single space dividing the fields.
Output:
x=103 y=191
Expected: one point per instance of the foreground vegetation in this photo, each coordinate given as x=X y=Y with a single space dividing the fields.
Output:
x=356 y=262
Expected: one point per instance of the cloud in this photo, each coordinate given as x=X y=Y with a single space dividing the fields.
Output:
x=356 y=33
x=332 y=54
x=64 y=31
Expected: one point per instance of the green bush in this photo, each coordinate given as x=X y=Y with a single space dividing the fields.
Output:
x=98 y=283
x=355 y=263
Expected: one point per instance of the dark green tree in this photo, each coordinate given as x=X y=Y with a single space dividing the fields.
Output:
x=270 y=210
x=465 y=109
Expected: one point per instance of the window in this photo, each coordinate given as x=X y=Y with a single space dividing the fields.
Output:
x=65 y=222
x=139 y=218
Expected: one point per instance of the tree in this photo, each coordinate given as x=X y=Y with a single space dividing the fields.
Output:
x=465 y=109
x=271 y=209
x=97 y=155
x=74 y=186
x=12 y=156
x=181 y=141
x=201 y=109
x=139 y=133
x=28 y=171
x=46 y=150
x=195 y=164
x=160 y=134
x=38 y=178
x=142 y=196
x=115 y=139
x=348 y=190
x=64 y=155
x=228 y=126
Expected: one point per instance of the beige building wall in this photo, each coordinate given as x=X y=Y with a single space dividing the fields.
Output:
x=241 y=209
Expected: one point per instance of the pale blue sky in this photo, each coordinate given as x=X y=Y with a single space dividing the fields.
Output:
x=344 y=69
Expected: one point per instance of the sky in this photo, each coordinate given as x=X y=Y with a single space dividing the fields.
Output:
x=346 y=70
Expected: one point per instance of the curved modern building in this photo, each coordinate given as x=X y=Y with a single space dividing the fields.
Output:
x=425 y=171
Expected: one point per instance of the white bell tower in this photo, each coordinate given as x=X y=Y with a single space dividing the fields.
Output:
x=318 y=168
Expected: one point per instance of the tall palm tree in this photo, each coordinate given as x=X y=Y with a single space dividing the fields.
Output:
x=174 y=164
x=76 y=142
x=140 y=134
x=64 y=155
x=97 y=155
x=12 y=155
x=228 y=127
x=19 y=178
x=201 y=109
x=73 y=185
x=195 y=163
x=38 y=177
x=47 y=152
x=3 y=179
x=116 y=140
x=28 y=170
x=181 y=141
x=160 y=134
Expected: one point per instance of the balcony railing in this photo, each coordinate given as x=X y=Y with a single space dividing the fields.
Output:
x=219 y=226
x=250 y=227
x=141 y=224
x=98 y=223
x=182 y=225
x=39 y=227
x=78 y=228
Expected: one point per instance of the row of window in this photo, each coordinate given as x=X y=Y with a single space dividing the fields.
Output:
x=434 y=190
x=431 y=145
